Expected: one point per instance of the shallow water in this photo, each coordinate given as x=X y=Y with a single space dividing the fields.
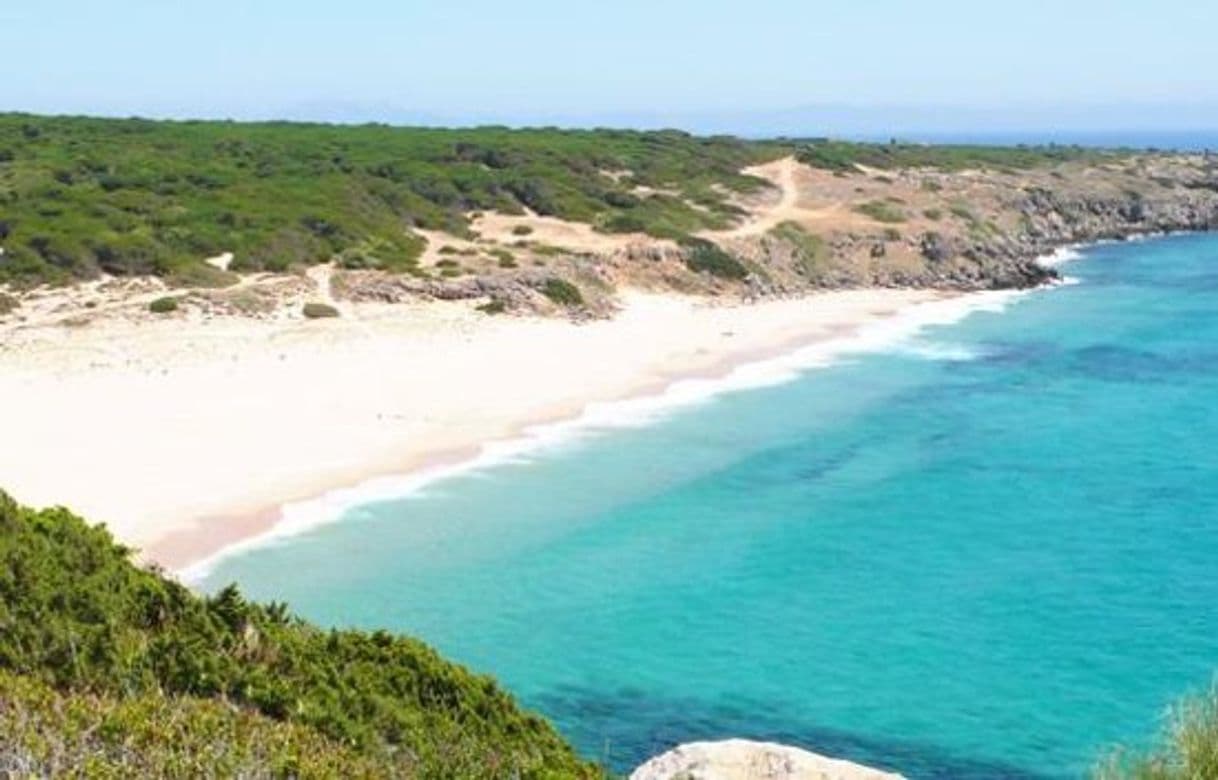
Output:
x=989 y=552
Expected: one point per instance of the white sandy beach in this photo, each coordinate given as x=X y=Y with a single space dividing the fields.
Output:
x=184 y=436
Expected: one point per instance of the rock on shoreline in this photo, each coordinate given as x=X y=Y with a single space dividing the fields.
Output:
x=739 y=759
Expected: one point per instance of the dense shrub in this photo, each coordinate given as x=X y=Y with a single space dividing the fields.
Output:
x=703 y=256
x=163 y=305
x=562 y=292
x=46 y=732
x=844 y=156
x=78 y=616
x=137 y=197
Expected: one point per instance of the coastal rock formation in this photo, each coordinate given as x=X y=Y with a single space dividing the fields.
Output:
x=738 y=759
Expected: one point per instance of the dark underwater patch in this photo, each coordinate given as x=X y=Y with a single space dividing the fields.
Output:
x=627 y=727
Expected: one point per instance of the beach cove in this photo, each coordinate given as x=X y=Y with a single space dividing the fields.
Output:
x=223 y=421
x=980 y=552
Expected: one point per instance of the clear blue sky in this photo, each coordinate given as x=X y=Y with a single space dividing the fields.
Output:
x=1107 y=63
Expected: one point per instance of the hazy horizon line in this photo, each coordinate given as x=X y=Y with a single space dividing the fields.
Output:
x=1043 y=123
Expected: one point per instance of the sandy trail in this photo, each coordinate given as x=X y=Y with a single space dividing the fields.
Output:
x=785 y=175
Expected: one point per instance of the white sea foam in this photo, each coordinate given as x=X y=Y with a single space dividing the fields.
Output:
x=945 y=351
x=1061 y=255
x=895 y=332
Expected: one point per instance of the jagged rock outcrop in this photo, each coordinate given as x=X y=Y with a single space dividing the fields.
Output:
x=1051 y=219
x=738 y=759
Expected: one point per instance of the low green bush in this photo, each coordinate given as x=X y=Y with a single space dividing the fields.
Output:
x=811 y=251
x=506 y=259
x=201 y=275
x=522 y=230
x=706 y=257
x=494 y=306
x=881 y=211
x=163 y=305
x=317 y=311
x=562 y=292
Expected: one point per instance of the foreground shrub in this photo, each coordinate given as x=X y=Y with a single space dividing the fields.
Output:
x=49 y=733
x=7 y=304
x=1187 y=750
x=76 y=615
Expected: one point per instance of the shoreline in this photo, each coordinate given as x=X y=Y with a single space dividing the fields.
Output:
x=643 y=405
x=300 y=514
x=769 y=341
x=187 y=436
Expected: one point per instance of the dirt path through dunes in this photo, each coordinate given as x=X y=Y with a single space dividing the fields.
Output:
x=323 y=276
x=783 y=174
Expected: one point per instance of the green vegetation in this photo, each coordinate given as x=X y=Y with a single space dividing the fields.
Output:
x=493 y=306
x=8 y=304
x=522 y=230
x=201 y=275
x=562 y=292
x=317 y=311
x=163 y=305
x=844 y=156
x=79 y=196
x=88 y=638
x=48 y=732
x=1188 y=749
x=704 y=256
x=881 y=211
x=506 y=259
x=810 y=250
x=933 y=214
x=965 y=213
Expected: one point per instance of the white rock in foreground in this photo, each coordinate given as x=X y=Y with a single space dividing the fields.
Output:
x=739 y=759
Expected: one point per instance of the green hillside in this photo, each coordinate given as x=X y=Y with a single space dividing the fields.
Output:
x=79 y=195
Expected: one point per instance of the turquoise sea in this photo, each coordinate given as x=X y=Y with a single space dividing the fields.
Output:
x=987 y=552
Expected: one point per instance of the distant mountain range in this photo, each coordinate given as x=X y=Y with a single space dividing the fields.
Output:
x=1178 y=126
